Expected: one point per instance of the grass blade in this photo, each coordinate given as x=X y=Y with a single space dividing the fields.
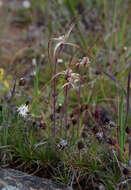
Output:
x=121 y=128
x=127 y=98
x=122 y=31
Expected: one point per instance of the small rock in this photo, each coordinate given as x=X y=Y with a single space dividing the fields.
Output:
x=15 y=180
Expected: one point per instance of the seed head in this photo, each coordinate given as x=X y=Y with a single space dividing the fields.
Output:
x=51 y=117
x=84 y=135
x=74 y=121
x=0 y=107
x=43 y=125
x=71 y=78
x=111 y=141
x=22 y=82
x=95 y=129
x=106 y=120
x=80 y=145
x=126 y=171
x=59 y=108
x=98 y=72
x=34 y=123
x=68 y=126
x=71 y=115
x=128 y=130
x=27 y=102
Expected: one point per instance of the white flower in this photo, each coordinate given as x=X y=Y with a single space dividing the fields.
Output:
x=99 y=135
x=112 y=123
x=34 y=62
x=83 y=62
x=33 y=73
x=60 y=60
x=26 y=4
x=42 y=55
x=62 y=144
x=101 y=187
x=62 y=40
x=125 y=48
x=59 y=38
x=23 y=110
x=71 y=77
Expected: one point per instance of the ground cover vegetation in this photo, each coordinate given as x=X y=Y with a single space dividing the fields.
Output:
x=65 y=83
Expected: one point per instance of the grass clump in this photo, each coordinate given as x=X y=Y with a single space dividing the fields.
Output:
x=67 y=115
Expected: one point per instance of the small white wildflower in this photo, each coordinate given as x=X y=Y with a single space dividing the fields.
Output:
x=23 y=110
x=124 y=182
x=34 y=62
x=60 y=60
x=101 y=187
x=125 y=48
x=99 y=135
x=75 y=75
x=68 y=72
x=1 y=3
x=72 y=78
x=42 y=55
x=62 y=144
x=84 y=61
x=124 y=165
x=26 y=4
x=59 y=38
x=112 y=123
x=33 y=74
